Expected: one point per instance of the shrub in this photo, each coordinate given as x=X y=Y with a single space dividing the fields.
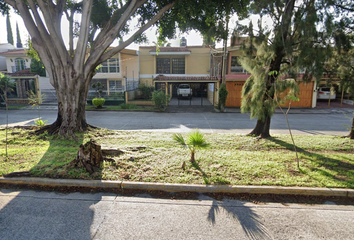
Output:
x=40 y=122
x=98 y=102
x=222 y=96
x=146 y=91
x=160 y=99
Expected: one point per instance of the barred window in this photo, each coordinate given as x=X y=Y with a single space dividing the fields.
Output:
x=163 y=66
x=170 y=65
x=178 y=66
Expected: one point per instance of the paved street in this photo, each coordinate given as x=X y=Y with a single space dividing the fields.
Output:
x=48 y=215
x=316 y=122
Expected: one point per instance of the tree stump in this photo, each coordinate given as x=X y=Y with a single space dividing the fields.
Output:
x=89 y=156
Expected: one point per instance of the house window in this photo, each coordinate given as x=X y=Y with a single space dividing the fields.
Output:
x=20 y=64
x=115 y=86
x=163 y=65
x=170 y=65
x=109 y=66
x=236 y=66
x=178 y=65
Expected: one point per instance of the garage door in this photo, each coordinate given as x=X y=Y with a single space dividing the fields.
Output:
x=305 y=96
x=235 y=93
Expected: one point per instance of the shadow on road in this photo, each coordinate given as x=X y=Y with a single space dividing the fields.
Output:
x=45 y=215
x=248 y=219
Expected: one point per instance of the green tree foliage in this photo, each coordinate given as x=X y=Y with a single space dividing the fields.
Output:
x=18 y=37
x=222 y=97
x=146 y=91
x=37 y=67
x=341 y=22
x=275 y=56
x=7 y=85
x=207 y=16
x=10 y=38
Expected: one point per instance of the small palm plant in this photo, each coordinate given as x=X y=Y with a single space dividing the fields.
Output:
x=195 y=140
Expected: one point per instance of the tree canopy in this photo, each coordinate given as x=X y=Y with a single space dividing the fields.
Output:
x=292 y=48
x=100 y=22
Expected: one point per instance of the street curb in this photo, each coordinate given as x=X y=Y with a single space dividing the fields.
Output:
x=169 y=187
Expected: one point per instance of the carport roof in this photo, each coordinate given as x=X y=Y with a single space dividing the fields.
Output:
x=191 y=79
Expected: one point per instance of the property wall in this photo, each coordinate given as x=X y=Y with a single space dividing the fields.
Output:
x=211 y=91
x=3 y=48
x=44 y=83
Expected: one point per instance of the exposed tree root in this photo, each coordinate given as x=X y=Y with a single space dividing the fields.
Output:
x=67 y=132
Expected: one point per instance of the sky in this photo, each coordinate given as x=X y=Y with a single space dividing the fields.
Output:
x=193 y=37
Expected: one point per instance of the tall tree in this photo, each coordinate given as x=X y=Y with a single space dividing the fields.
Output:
x=274 y=55
x=342 y=22
x=70 y=71
x=71 y=74
x=18 y=37
x=10 y=38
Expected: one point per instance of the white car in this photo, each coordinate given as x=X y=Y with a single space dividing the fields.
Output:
x=184 y=90
x=325 y=93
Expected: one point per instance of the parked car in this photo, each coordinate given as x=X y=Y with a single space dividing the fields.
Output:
x=325 y=93
x=184 y=90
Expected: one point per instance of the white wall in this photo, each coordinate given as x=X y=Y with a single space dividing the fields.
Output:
x=4 y=47
x=44 y=83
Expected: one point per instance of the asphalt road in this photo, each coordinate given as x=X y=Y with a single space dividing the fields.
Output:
x=49 y=215
x=301 y=123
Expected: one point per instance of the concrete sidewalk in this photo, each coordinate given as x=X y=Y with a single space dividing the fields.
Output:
x=168 y=187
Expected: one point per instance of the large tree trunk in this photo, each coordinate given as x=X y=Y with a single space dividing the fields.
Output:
x=262 y=128
x=71 y=94
x=351 y=134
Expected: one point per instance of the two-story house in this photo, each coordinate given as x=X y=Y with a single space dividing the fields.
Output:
x=18 y=68
x=118 y=74
x=166 y=68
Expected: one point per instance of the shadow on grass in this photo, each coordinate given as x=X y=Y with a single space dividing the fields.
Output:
x=208 y=179
x=55 y=163
x=249 y=220
x=344 y=170
x=48 y=214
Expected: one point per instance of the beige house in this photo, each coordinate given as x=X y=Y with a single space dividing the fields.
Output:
x=167 y=67
x=118 y=74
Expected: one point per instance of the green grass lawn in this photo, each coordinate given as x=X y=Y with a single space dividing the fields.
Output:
x=325 y=161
